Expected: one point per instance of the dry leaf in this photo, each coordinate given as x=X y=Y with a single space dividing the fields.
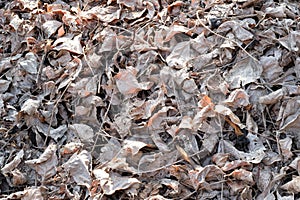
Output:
x=46 y=164
x=293 y=185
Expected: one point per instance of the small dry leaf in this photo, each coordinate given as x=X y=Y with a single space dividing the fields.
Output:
x=127 y=82
x=235 y=164
x=18 y=178
x=286 y=146
x=238 y=98
x=46 y=164
x=78 y=168
x=243 y=175
x=9 y=167
x=112 y=182
x=83 y=131
x=293 y=185
x=50 y=27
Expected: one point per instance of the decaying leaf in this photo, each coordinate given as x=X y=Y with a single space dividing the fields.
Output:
x=293 y=185
x=128 y=84
x=9 y=167
x=112 y=182
x=46 y=164
x=156 y=99
x=78 y=168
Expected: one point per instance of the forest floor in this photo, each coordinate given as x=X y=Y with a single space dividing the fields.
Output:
x=154 y=99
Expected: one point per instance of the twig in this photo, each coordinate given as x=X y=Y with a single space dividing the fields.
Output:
x=103 y=120
x=53 y=112
x=87 y=61
x=225 y=38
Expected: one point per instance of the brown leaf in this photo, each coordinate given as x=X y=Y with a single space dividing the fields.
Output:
x=46 y=164
x=128 y=84
x=112 y=182
x=293 y=185
x=78 y=168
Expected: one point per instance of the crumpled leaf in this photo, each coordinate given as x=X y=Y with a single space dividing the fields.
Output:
x=127 y=82
x=243 y=72
x=242 y=175
x=71 y=148
x=202 y=175
x=227 y=112
x=238 y=31
x=112 y=182
x=46 y=164
x=155 y=161
x=78 y=168
x=293 y=185
x=252 y=157
x=9 y=167
x=295 y=164
x=285 y=147
x=290 y=41
x=29 y=63
x=238 y=98
x=68 y=44
x=4 y=85
x=50 y=27
x=18 y=178
x=236 y=164
x=30 y=106
x=28 y=194
x=289 y=115
x=273 y=97
x=83 y=131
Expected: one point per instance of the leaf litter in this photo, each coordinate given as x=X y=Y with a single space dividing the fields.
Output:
x=151 y=99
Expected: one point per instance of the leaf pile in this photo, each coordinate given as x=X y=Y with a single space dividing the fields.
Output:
x=155 y=99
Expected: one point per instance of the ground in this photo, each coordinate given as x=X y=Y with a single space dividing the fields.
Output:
x=154 y=99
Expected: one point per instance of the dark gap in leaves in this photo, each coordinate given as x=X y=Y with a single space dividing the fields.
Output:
x=208 y=119
x=126 y=173
x=8 y=48
x=241 y=114
x=148 y=149
x=32 y=137
x=282 y=136
x=119 y=23
x=173 y=178
x=162 y=190
x=106 y=126
x=289 y=175
x=242 y=143
x=254 y=191
x=140 y=121
x=44 y=137
x=99 y=113
x=295 y=144
x=95 y=42
x=194 y=35
x=14 y=129
x=199 y=141
x=60 y=118
x=288 y=66
x=276 y=87
x=215 y=22
x=253 y=43
x=4 y=186
x=144 y=94
x=35 y=92
x=115 y=70
x=166 y=137
x=172 y=113
x=202 y=4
